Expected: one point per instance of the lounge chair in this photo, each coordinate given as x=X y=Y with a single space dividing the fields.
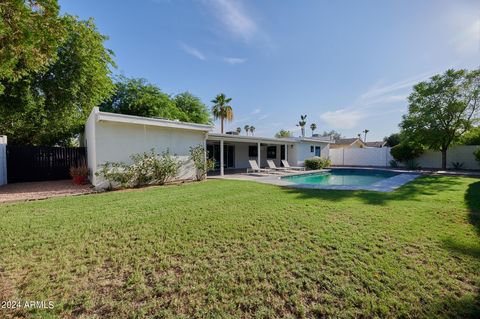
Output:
x=255 y=168
x=272 y=165
x=287 y=166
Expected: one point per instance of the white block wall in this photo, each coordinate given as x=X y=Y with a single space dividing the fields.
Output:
x=361 y=156
x=3 y=160
x=461 y=154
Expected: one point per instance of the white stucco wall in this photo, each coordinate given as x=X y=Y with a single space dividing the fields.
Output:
x=302 y=151
x=116 y=142
x=461 y=154
x=361 y=156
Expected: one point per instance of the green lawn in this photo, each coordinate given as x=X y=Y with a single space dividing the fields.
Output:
x=243 y=249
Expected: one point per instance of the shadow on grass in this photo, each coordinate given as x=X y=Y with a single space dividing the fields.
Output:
x=422 y=186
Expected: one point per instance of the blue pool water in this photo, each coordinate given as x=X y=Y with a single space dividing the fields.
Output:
x=350 y=177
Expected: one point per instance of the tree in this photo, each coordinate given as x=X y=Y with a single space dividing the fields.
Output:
x=392 y=140
x=239 y=130
x=138 y=97
x=472 y=137
x=221 y=110
x=51 y=107
x=247 y=129
x=334 y=135
x=192 y=109
x=283 y=133
x=302 y=123
x=313 y=127
x=442 y=109
x=252 y=129
x=365 y=132
x=31 y=32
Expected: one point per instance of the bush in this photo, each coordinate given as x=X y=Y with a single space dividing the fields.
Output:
x=477 y=155
x=457 y=165
x=405 y=152
x=197 y=155
x=393 y=164
x=146 y=169
x=317 y=163
x=412 y=164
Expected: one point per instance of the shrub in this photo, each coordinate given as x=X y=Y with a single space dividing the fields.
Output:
x=393 y=163
x=405 y=152
x=412 y=164
x=317 y=163
x=477 y=155
x=197 y=155
x=457 y=165
x=146 y=169
x=79 y=170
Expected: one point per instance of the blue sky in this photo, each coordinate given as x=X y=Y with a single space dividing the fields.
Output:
x=348 y=65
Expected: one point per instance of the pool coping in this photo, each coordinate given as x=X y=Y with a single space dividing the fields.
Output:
x=387 y=185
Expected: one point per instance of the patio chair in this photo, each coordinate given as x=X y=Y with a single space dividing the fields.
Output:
x=271 y=165
x=255 y=168
x=287 y=166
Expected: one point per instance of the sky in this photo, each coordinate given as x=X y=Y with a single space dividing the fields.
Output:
x=347 y=65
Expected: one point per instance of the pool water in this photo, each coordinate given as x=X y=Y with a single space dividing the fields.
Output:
x=350 y=177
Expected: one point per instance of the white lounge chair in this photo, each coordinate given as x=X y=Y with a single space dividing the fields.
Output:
x=271 y=165
x=255 y=168
x=287 y=166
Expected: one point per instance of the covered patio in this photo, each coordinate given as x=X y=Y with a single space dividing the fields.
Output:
x=232 y=152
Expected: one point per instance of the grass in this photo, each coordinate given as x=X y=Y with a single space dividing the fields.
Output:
x=242 y=249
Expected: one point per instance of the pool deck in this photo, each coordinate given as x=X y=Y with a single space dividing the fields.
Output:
x=387 y=185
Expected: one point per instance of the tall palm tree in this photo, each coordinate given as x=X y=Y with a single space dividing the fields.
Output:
x=246 y=128
x=313 y=127
x=302 y=123
x=359 y=135
x=252 y=129
x=365 y=131
x=221 y=110
x=239 y=129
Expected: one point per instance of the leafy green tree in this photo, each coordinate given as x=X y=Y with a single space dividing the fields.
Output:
x=192 y=108
x=221 y=110
x=302 y=123
x=392 y=140
x=442 y=109
x=138 y=97
x=472 y=137
x=333 y=134
x=283 y=133
x=50 y=107
x=30 y=33
x=313 y=127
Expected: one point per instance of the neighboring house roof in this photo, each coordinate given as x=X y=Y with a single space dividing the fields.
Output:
x=375 y=144
x=346 y=142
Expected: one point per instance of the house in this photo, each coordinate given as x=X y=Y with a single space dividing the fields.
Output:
x=348 y=143
x=112 y=137
x=378 y=144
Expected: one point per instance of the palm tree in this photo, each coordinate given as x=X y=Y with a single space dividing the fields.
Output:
x=246 y=128
x=313 y=127
x=252 y=129
x=239 y=129
x=302 y=123
x=359 y=135
x=365 y=131
x=221 y=110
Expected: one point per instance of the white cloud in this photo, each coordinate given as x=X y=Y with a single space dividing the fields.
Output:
x=256 y=111
x=193 y=51
x=234 y=17
x=467 y=41
x=263 y=117
x=343 y=118
x=234 y=61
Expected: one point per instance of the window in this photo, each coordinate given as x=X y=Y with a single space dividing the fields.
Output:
x=252 y=151
x=318 y=150
x=311 y=149
x=271 y=152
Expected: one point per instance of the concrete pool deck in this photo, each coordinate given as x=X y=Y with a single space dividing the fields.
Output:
x=386 y=185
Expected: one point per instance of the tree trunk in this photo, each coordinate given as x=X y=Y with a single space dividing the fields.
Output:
x=444 y=159
x=221 y=120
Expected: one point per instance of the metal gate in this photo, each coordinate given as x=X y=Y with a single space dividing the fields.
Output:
x=41 y=163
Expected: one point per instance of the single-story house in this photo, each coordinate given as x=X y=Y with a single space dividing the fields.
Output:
x=112 y=137
x=377 y=144
x=348 y=143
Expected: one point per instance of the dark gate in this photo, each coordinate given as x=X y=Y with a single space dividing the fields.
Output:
x=41 y=163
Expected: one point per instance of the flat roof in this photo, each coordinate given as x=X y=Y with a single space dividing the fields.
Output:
x=140 y=120
x=256 y=139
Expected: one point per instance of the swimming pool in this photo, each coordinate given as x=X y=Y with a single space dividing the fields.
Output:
x=342 y=177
